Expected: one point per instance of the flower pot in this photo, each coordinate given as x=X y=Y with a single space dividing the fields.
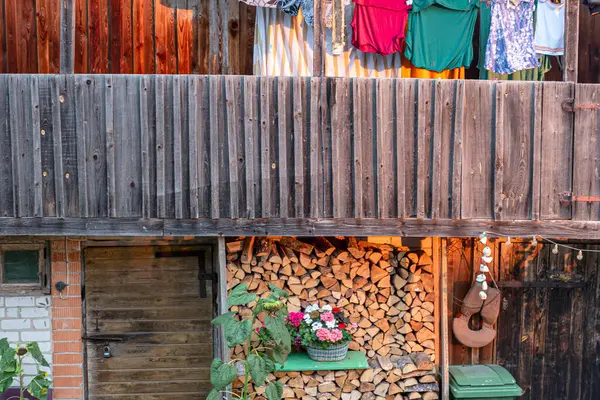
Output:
x=332 y=353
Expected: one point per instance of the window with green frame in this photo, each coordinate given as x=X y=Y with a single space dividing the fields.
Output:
x=22 y=266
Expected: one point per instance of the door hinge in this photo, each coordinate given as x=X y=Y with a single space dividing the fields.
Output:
x=569 y=105
x=568 y=198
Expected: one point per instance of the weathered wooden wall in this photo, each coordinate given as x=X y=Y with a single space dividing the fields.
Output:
x=130 y=36
x=188 y=147
x=589 y=47
x=548 y=334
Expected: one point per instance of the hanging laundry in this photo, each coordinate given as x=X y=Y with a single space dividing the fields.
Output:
x=440 y=34
x=379 y=25
x=283 y=46
x=290 y=7
x=510 y=44
x=410 y=71
x=261 y=3
x=308 y=10
x=532 y=74
x=550 y=28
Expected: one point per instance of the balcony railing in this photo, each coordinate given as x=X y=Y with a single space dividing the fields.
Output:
x=229 y=148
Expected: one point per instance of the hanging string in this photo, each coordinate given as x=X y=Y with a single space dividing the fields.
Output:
x=566 y=246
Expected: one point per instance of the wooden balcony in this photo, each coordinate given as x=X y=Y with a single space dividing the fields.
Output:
x=207 y=155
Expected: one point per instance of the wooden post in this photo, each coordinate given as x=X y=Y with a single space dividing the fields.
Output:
x=571 y=41
x=440 y=255
x=67 y=36
x=319 y=40
x=222 y=351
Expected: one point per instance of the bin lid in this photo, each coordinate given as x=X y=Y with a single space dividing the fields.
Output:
x=481 y=381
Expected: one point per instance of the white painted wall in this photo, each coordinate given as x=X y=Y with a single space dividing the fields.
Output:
x=25 y=319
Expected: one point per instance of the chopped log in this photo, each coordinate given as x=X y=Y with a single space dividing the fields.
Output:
x=427 y=378
x=413 y=257
x=296 y=245
x=263 y=247
x=428 y=307
x=410 y=382
x=428 y=344
x=324 y=245
x=356 y=253
x=328 y=281
x=247 y=250
x=235 y=247
x=377 y=274
x=290 y=254
x=422 y=361
x=352 y=243
x=424 y=335
x=430 y=396
x=414 y=396
x=421 y=387
x=399 y=282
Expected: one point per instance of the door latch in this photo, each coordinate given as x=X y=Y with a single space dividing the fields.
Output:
x=568 y=198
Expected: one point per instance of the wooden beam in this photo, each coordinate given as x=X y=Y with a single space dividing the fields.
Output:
x=220 y=262
x=67 y=36
x=571 y=41
x=541 y=284
x=102 y=227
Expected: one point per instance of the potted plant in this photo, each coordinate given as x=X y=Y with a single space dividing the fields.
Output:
x=11 y=367
x=324 y=333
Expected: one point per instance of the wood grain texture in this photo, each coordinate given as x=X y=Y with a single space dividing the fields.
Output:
x=164 y=337
x=143 y=36
x=571 y=69
x=48 y=35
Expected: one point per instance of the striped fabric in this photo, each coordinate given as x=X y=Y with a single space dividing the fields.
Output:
x=261 y=3
x=283 y=46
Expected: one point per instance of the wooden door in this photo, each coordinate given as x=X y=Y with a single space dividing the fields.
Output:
x=152 y=306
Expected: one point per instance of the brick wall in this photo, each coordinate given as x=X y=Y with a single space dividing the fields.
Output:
x=26 y=319
x=66 y=321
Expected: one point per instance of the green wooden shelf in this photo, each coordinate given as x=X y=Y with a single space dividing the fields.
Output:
x=301 y=362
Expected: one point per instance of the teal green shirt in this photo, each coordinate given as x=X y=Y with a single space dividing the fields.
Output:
x=440 y=34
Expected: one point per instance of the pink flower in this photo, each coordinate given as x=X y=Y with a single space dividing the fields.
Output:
x=295 y=318
x=335 y=335
x=323 y=334
x=327 y=317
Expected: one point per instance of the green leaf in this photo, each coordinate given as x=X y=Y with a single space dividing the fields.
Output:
x=223 y=319
x=8 y=363
x=213 y=395
x=278 y=355
x=258 y=369
x=6 y=378
x=274 y=391
x=237 y=332
x=278 y=331
x=278 y=292
x=221 y=375
x=36 y=353
x=3 y=345
x=239 y=296
x=39 y=387
x=269 y=364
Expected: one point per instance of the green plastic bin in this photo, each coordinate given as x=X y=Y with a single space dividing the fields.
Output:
x=486 y=381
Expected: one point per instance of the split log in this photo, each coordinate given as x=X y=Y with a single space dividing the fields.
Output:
x=247 y=250
x=296 y=245
x=422 y=362
x=235 y=247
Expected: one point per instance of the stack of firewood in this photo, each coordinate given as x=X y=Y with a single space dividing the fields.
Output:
x=386 y=290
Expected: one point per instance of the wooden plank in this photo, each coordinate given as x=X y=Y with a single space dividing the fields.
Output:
x=457 y=150
x=220 y=161
x=585 y=154
x=67 y=37
x=315 y=180
x=217 y=38
x=215 y=121
x=386 y=151
x=252 y=128
x=425 y=115
x=364 y=131
x=57 y=143
x=477 y=165
x=319 y=42
x=536 y=151
x=48 y=36
x=98 y=36
x=143 y=36
x=406 y=102
x=284 y=149
x=27 y=226
x=161 y=193
x=301 y=91
x=234 y=123
x=110 y=147
x=145 y=86
x=201 y=102
x=571 y=69
x=82 y=130
x=498 y=135
x=590 y=385
x=341 y=148
x=557 y=150
x=178 y=155
x=69 y=146
x=268 y=137
x=144 y=375
x=25 y=29
x=220 y=259
x=193 y=104
x=540 y=323
x=232 y=27
x=246 y=54
x=80 y=38
x=165 y=38
x=47 y=148
x=184 y=19
x=7 y=203
x=36 y=146
x=198 y=386
x=3 y=40
x=203 y=38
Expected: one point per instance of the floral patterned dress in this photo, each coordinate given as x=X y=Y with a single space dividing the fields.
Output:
x=510 y=46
